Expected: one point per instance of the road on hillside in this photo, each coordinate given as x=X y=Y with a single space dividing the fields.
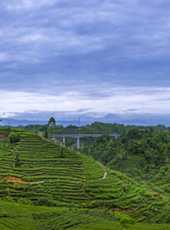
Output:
x=105 y=171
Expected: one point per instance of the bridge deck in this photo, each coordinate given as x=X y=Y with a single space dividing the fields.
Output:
x=83 y=135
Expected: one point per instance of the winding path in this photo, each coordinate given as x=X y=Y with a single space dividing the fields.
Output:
x=23 y=182
x=105 y=171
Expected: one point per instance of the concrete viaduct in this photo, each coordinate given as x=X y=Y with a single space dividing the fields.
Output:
x=78 y=136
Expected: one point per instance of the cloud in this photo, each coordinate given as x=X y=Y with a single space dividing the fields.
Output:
x=131 y=110
x=3 y=57
x=93 y=55
x=119 y=101
x=163 y=99
x=26 y=4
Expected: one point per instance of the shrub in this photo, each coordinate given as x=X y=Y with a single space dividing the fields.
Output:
x=14 y=137
x=45 y=201
x=159 y=176
x=24 y=201
x=3 y=214
x=17 y=160
x=105 y=212
x=42 y=201
x=126 y=220
x=9 y=198
x=167 y=220
x=62 y=155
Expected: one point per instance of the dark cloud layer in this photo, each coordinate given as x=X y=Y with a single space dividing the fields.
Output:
x=53 y=45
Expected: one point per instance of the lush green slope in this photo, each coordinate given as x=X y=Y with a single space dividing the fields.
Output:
x=50 y=171
x=140 y=154
x=15 y=216
x=27 y=217
x=55 y=176
x=107 y=225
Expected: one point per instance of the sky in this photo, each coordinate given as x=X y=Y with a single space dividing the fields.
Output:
x=91 y=58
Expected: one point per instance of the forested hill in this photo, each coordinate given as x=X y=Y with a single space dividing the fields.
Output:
x=94 y=128
x=141 y=154
x=97 y=127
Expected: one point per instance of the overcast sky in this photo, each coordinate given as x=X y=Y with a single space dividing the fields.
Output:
x=88 y=57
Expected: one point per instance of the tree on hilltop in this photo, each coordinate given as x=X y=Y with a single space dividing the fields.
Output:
x=51 y=127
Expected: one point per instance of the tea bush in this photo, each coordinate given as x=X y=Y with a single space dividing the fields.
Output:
x=14 y=137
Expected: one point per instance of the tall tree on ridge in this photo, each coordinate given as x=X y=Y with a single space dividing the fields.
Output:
x=51 y=127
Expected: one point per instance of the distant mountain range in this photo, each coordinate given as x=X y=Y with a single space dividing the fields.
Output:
x=80 y=120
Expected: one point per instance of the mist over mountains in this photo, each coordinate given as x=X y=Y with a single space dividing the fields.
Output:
x=79 y=120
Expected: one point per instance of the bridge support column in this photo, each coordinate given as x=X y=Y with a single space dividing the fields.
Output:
x=64 y=141
x=78 y=142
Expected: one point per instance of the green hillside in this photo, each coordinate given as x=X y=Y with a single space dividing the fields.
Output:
x=139 y=154
x=48 y=174
x=50 y=171
x=15 y=216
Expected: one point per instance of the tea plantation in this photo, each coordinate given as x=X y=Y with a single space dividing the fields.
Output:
x=16 y=216
x=36 y=173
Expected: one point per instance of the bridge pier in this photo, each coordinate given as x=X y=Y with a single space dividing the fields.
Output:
x=78 y=142
x=78 y=136
x=64 y=141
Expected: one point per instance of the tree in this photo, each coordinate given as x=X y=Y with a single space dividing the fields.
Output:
x=51 y=127
x=17 y=160
x=62 y=155
x=46 y=133
x=133 y=133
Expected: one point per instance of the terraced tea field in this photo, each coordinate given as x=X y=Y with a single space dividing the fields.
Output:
x=15 y=216
x=55 y=176
x=18 y=216
x=44 y=171
x=119 y=192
